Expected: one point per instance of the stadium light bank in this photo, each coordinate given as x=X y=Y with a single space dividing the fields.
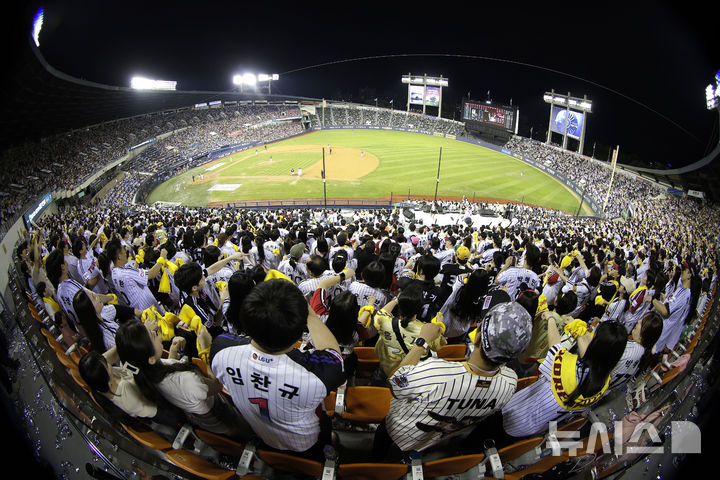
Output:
x=254 y=82
x=141 y=83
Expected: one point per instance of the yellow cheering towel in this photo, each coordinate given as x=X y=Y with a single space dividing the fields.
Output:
x=271 y=274
x=140 y=257
x=166 y=322
x=50 y=301
x=438 y=322
x=542 y=304
x=168 y=268
x=367 y=308
x=114 y=300
x=576 y=328
x=221 y=285
x=564 y=382
x=187 y=315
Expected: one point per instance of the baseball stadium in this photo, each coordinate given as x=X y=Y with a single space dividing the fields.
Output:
x=244 y=283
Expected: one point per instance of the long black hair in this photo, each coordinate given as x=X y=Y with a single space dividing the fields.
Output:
x=135 y=346
x=467 y=301
x=601 y=356
x=341 y=321
x=410 y=303
x=89 y=320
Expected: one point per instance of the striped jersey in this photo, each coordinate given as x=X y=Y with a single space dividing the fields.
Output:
x=515 y=277
x=678 y=303
x=437 y=398
x=88 y=269
x=66 y=291
x=532 y=408
x=131 y=284
x=628 y=364
x=278 y=395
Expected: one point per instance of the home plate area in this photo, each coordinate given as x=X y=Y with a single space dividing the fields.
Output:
x=225 y=187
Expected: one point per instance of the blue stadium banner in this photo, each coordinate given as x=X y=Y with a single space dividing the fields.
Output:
x=37 y=210
x=673 y=191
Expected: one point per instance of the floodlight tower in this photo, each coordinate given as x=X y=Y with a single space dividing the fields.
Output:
x=250 y=81
x=712 y=94
x=431 y=91
x=572 y=107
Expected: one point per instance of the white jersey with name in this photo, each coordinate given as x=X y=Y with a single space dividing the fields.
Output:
x=131 y=283
x=437 y=398
x=678 y=303
x=514 y=277
x=88 y=269
x=278 y=395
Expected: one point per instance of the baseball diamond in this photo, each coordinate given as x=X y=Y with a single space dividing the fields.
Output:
x=368 y=164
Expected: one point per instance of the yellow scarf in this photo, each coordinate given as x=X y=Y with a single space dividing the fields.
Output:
x=563 y=382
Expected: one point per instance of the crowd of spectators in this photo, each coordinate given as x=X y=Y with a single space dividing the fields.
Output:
x=66 y=161
x=274 y=302
x=589 y=175
x=347 y=115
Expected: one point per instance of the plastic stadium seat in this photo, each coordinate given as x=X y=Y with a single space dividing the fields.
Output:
x=572 y=425
x=201 y=365
x=372 y=471
x=366 y=404
x=453 y=353
x=542 y=465
x=149 y=438
x=525 y=382
x=291 y=463
x=221 y=443
x=75 y=374
x=197 y=465
x=451 y=466
x=368 y=362
x=64 y=359
x=511 y=452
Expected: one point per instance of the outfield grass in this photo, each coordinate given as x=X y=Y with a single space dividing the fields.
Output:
x=407 y=161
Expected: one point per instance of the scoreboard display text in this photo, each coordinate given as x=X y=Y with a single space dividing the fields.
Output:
x=490 y=114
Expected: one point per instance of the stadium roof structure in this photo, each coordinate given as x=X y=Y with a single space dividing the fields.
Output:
x=42 y=102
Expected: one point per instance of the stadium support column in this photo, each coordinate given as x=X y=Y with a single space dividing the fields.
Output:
x=612 y=176
x=440 y=102
x=408 y=94
x=437 y=179
x=581 y=147
x=424 y=91
x=567 y=122
x=549 y=131
x=324 y=183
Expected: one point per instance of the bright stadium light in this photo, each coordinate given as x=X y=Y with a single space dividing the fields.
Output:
x=711 y=96
x=141 y=83
x=37 y=26
x=254 y=81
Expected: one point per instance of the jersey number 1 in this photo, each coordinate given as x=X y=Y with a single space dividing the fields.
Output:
x=263 y=404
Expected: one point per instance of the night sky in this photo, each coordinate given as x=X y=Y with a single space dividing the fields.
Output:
x=644 y=65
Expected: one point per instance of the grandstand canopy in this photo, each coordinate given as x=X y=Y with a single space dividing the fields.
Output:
x=42 y=102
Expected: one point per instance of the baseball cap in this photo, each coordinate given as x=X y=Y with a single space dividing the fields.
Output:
x=463 y=253
x=297 y=250
x=506 y=332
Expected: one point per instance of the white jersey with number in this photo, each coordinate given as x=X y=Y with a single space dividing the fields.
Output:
x=628 y=364
x=437 y=398
x=278 y=395
x=514 y=277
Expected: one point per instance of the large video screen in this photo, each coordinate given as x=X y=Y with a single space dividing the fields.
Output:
x=562 y=117
x=493 y=114
x=432 y=96
x=416 y=94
